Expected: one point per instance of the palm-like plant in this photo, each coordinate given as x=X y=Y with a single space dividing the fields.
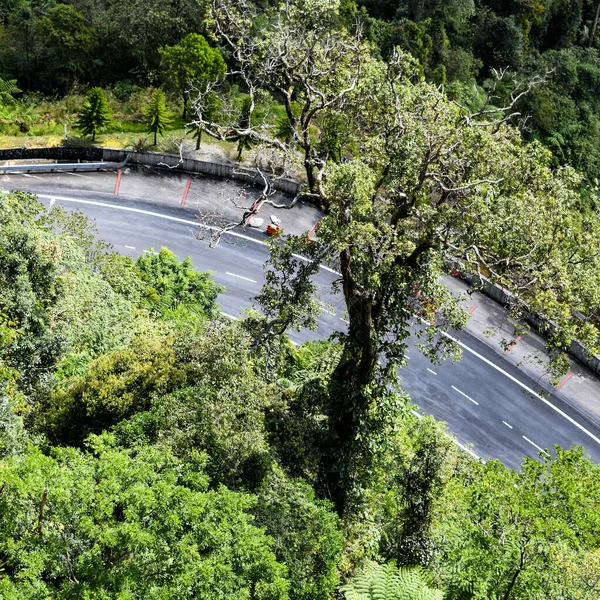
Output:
x=8 y=89
x=388 y=582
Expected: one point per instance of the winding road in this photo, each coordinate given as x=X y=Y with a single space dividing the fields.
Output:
x=489 y=404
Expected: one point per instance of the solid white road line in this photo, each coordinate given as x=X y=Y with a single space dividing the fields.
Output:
x=525 y=387
x=535 y=445
x=77 y=174
x=432 y=372
x=229 y=316
x=509 y=426
x=467 y=397
x=248 y=238
x=149 y=213
x=344 y=320
x=453 y=439
x=28 y=175
x=240 y=277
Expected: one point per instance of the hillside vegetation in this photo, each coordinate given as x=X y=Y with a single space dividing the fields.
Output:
x=150 y=448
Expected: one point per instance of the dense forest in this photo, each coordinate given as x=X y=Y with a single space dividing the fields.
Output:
x=49 y=47
x=152 y=448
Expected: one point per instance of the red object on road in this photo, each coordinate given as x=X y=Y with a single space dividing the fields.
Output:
x=273 y=229
x=185 y=193
x=119 y=173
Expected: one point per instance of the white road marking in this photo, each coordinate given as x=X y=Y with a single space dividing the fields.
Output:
x=150 y=252
x=76 y=174
x=433 y=372
x=509 y=426
x=130 y=247
x=453 y=439
x=28 y=175
x=240 y=277
x=344 y=320
x=463 y=394
x=535 y=445
x=525 y=387
x=406 y=356
x=229 y=316
x=52 y=201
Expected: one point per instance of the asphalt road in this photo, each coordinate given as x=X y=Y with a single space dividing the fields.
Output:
x=489 y=404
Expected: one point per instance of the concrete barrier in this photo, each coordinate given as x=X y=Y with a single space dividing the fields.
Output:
x=497 y=293
x=159 y=160
x=70 y=153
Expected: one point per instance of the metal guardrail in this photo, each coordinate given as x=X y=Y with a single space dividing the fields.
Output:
x=52 y=167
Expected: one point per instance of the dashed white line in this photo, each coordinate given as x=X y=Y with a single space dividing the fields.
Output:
x=406 y=356
x=508 y=424
x=525 y=387
x=240 y=277
x=130 y=247
x=344 y=320
x=467 y=397
x=150 y=252
x=432 y=372
x=28 y=175
x=535 y=445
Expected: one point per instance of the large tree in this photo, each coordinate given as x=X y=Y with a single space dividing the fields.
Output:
x=191 y=62
x=424 y=184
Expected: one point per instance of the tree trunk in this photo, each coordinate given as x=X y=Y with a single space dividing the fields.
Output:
x=155 y=138
x=349 y=401
x=93 y=137
x=198 y=138
x=594 y=25
x=184 y=107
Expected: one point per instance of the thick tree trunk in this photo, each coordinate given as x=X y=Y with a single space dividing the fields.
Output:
x=198 y=138
x=348 y=394
x=594 y=25
x=155 y=138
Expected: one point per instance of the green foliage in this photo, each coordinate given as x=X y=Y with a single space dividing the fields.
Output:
x=112 y=523
x=170 y=284
x=156 y=114
x=67 y=42
x=417 y=474
x=191 y=62
x=94 y=114
x=30 y=285
x=7 y=90
x=517 y=534
x=306 y=533
x=115 y=386
x=222 y=411
x=387 y=582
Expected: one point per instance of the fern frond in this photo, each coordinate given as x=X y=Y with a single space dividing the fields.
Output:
x=388 y=582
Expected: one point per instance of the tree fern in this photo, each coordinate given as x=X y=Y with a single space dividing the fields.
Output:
x=8 y=89
x=388 y=582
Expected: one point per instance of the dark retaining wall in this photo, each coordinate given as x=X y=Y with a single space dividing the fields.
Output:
x=71 y=154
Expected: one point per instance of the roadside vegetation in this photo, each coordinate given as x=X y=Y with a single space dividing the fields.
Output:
x=150 y=448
